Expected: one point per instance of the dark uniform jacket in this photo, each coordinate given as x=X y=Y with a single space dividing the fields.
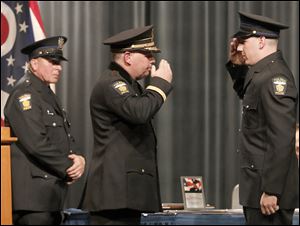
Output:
x=123 y=172
x=268 y=160
x=40 y=156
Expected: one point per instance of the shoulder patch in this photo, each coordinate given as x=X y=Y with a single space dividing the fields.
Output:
x=25 y=101
x=279 y=85
x=121 y=87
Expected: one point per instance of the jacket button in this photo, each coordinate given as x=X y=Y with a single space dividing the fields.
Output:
x=46 y=176
x=71 y=151
x=54 y=124
x=143 y=171
x=252 y=166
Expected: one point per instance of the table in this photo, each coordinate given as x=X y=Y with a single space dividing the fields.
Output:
x=205 y=217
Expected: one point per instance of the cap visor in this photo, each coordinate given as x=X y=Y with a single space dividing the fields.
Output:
x=146 y=50
x=55 y=58
x=242 y=34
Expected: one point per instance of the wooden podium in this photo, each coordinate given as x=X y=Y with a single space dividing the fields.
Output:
x=6 y=201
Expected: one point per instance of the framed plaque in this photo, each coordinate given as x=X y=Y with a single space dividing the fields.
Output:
x=192 y=192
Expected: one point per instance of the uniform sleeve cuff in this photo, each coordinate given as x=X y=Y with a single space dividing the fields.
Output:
x=160 y=86
x=158 y=90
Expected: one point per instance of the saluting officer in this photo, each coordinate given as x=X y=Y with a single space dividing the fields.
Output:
x=44 y=159
x=269 y=175
x=123 y=178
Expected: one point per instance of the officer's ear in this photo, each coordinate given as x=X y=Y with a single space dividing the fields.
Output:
x=127 y=58
x=33 y=64
x=261 y=42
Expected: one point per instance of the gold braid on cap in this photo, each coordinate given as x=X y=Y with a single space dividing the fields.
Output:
x=49 y=51
x=141 y=44
x=147 y=47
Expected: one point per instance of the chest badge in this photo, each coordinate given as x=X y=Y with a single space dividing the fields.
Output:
x=25 y=102
x=279 y=85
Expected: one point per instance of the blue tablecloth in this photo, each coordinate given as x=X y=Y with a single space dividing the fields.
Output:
x=210 y=217
x=180 y=217
x=73 y=216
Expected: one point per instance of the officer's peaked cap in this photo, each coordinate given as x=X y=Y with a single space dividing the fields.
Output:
x=50 y=48
x=256 y=25
x=137 y=39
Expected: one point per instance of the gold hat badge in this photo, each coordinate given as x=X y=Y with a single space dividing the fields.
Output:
x=61 y=42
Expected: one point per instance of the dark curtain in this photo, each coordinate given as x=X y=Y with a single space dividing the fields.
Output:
x=197 y=126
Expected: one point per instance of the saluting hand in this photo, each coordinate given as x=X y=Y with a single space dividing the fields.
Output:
x=235 y=54
x=164 y=71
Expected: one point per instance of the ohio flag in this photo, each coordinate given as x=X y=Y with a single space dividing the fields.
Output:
x=21 y=25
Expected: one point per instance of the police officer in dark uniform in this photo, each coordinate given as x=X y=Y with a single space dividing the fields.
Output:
x=269 y=175
x=44 y=159
x=123 y=177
